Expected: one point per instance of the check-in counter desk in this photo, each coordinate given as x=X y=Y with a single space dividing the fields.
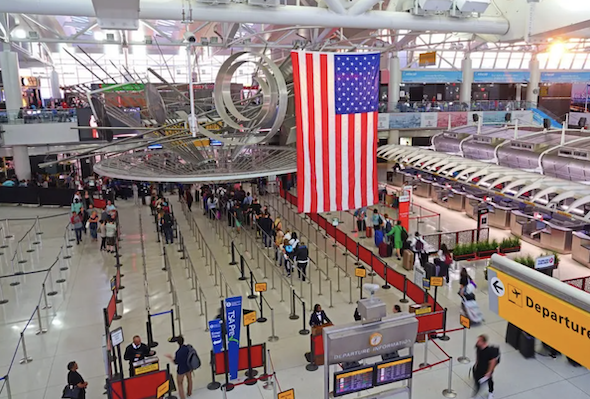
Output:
x=422 y=187
x=554 y=235
x=456 y=200
x=146 y=365
x=500 y=214
x=450 y=198
x=397 y=178
x=581 y=248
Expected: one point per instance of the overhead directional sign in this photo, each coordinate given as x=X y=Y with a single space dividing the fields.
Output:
x=542 y=315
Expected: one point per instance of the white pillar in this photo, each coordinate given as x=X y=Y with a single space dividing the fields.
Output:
x=393 y=137
x=11 y=82
x=54 y=81
x=518 y=92
x=22 y=163
x=395 y=80
x=532 y=90
x=467 y=69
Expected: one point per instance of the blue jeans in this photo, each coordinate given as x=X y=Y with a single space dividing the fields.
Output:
x=93 y=231
x=78 y=235
x=168 y=234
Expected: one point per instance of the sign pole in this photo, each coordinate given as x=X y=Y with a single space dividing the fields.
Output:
x=227 y=386
x=250 y=374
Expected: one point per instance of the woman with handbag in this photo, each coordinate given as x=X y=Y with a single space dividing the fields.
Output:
x=76 y=388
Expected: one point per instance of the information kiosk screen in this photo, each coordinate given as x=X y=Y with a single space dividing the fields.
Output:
x=393 y=370
x=353 y=380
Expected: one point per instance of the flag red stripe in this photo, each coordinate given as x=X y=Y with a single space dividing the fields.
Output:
x=351 y=164
x=363 y=164
x=312 y=132
x=298 y=121
x=374 y=157
x=338 y=125
x=325 y=133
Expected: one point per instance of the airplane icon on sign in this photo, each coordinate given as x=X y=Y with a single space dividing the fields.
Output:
x=514 y=295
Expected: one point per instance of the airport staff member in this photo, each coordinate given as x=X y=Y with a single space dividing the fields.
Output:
x=136 y=351
x=318 y=317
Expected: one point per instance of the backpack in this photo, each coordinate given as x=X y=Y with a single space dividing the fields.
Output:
x=419 y=245
x=404 y=235
x=193 y=361
x=388 y=226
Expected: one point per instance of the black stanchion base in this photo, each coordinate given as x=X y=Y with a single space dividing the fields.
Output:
x=52 y=293
x=357 y=263
x=372 y=274
x=403 y=300
x=30 y=250
x=172 y=339
x=72 y=240
x=261 y=320
x=252 y=296
x=242 y=278
x=4 y=246
x=293 y=317
x=250 y=381
x=233 y=263
x=39 y=233
x=121 y=287
x=264 y=377
x=182 y=258
x=61 y=280
x=228 y=387
x=444 y=337
x=311 y=367
x=212 y=386
x=119 y=301
x=154 y=344
x=36 y=242
x=67 y=257
x=2 y=302
x=63 y=269
x=117 y=317
x=69 y=246
x=303 y=332
x=14 y=283
x=251 y=373
x=386 y=286
x=9 y=236
x=20 y=262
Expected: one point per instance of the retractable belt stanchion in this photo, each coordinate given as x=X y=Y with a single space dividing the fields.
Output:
x=213 y=385
x=25 y=359
x=304 y=330
x=242 y=276
x=449 y=392
x=385 y=286
x=445 y=337
x=463 y=358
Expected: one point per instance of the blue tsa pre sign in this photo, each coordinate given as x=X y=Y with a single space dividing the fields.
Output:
x=233 y=318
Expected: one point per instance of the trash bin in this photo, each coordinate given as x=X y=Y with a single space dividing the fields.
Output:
x=513 y=335
x=526 y=345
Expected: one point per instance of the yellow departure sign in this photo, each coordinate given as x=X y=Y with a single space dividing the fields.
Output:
x=555 y=322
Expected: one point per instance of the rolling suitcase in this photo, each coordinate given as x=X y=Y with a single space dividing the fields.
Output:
x=384 y=250
x=369 y=232
x=378 y=237
x=408 y=259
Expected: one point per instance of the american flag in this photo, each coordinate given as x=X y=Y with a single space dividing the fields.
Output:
x=336 y=103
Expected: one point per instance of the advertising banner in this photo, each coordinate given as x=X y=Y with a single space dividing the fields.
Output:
x=501 y=76
x=404 y=206
x=383 y=122
x=565 y=77
x=432 y=76
x=428 y=119
x=216 y=339
x=233 y=319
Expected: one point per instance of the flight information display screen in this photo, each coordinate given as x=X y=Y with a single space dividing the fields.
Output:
x=393 y=370
x=354 y=380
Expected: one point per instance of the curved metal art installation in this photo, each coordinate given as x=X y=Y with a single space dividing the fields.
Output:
x=236 y=136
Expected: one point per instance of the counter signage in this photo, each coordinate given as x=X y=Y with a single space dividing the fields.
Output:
x=215 y=332
x=290 y=394
x=465 y=321
x=544 y=262
x=551 y=320
x=360 y=272
x=117 y=336
x=260 y=287
x=436 y=281
x=249 y=317
x=423 y=310
x=147 y=369
x=163 y=389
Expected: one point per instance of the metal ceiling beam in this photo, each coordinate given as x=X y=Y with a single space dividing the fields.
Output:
x=282 y=15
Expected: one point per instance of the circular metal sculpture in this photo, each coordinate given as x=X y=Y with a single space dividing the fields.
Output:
x=155 y=104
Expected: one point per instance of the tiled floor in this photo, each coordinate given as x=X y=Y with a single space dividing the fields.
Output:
x=75 y=331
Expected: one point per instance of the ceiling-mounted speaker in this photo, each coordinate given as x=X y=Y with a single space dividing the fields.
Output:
x=546 y=123
x=508 y=117
x=582 y=123
x=475 y=117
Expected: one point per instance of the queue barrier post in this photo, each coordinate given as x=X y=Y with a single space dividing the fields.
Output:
x=404 y=299
x=449 y=392
x=41 y=330
x=463 y=359
x=150 y=332
x=25 y=359
x=8 y=390
x=273 y=337
x=171 y=386
x=252 y=295
x=304 y=330
x=4 y=300
x=173 y=328
x=213 y=385
x=233 y=254
x=444 y=337
x=425 y=363
x=385 y=286
x=293 y=315
x=242 y=262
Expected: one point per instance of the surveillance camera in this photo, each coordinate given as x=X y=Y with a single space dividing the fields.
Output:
x=371 y=288
x=189 y=37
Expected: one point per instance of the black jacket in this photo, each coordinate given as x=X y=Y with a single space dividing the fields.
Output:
x=265 y=225
x=314 y=320
x=130 y=352
x=301 y=253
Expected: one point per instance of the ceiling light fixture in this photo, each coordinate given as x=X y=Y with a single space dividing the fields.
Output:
x=19 y=33
x=98 y=36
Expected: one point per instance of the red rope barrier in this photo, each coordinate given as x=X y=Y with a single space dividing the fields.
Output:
x=431 y=365
x=274 y=373
x=441 y=349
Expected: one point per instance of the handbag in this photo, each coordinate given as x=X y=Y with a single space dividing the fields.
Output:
x=71 y=392
x=88 y=224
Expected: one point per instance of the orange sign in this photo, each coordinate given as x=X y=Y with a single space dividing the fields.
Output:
x=465 y=322
x=427 y=59
x=360 y=272
x=260 y=287
x=290 y=394
x=250 y=318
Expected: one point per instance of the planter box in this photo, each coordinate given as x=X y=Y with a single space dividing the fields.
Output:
x=487 y=253
x=509 y=250
x=458 y=258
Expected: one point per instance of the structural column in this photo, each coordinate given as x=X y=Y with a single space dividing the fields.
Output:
x=22 y=163
x=393 y=137
x=532 y=90
x=395 y=80
x=467 y=69
x=11 y=82
x=518 y=92
x=54 y=81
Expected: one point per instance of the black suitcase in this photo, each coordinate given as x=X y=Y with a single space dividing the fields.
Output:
x=513 y=335
x=526 y=345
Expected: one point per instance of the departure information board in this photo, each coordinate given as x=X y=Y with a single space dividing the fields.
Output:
x=354 y=380
x=393 y=371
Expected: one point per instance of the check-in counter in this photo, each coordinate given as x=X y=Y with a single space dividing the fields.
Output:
x=500 y=215
x=581 y=248
x=456 y=200
x=555 y=234
x=397 y=177
x=422 y=187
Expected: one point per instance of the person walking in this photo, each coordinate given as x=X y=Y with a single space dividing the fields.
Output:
x=75 y=380
x=212 y=203
x=302 y=260
x=93 y=225
x=77 y=223
x=102 y=233
x=399 y=236
x=266 y=225
x=361 y=222
x=166 y=223
x=487 y=358
x=188 y=197
x=183 y=371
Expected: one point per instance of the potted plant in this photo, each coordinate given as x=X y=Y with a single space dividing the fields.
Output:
x=485 y=249
x=527 y=261
x=464 y=251
x=510 y=244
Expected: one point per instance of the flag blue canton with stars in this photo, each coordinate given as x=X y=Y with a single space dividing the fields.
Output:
x=357 y=83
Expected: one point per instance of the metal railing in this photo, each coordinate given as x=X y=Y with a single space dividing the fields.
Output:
x=457 y=106
x=22 y=116
x=582 y=283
